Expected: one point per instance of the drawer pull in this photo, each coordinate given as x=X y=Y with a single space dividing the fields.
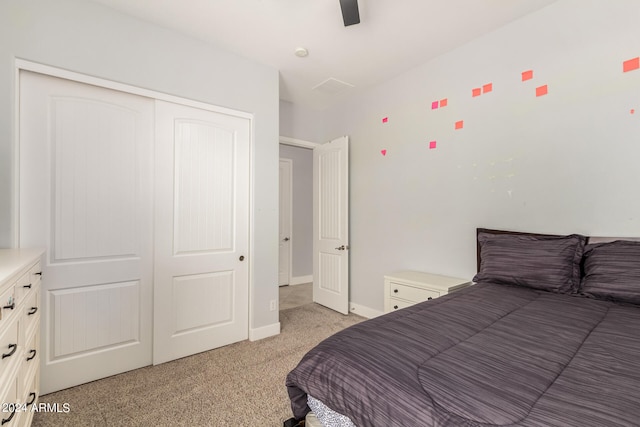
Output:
x=10 y=306
x=8 y=420
x=429 y=299
x=33 y=354
x=395 y=291
x=33 y=398
x=38 y=273
x=27 y=286
x=32 y=310
x=395 y=307
x=13 y=348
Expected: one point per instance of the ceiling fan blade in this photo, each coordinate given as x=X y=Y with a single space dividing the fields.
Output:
x=350 y=12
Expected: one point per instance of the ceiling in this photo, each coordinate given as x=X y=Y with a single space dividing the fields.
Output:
x=392 y=37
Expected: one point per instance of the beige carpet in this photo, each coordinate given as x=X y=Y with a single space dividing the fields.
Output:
x=237 y=385
x=296 y=295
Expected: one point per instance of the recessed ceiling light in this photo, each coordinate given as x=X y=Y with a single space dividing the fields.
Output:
x=301 y=52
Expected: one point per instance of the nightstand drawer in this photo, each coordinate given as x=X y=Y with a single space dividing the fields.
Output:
x=397 y=304
x=410 y=293
x=405 y=288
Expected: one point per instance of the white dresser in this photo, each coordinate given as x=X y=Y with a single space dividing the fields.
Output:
x=405 y=288
x=20 y=275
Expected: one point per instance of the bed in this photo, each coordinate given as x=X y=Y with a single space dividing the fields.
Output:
x=549 y=335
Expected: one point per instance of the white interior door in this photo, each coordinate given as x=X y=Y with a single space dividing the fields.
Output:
x=284 y=270
x=86 y=196
x=331 y=224
x=202 y=230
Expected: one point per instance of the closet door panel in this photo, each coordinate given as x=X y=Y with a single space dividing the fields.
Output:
x=202 y=230
x=86 y=195
x=95 y=189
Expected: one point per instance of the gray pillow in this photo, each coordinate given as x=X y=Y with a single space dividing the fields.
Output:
x=549 y=263
x=612 y=271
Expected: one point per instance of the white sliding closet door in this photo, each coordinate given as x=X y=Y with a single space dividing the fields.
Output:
x=202 y=224
x=86 y=188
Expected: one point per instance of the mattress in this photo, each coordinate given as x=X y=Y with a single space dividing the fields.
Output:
x=487 y=355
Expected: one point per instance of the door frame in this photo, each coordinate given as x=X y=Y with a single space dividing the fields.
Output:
x=289 y=232
x=25 y=65
x=285 y=140
x=310 y=145
x=301 y=143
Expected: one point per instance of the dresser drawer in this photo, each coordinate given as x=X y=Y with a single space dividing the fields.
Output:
x=30 y=362
x=8 y=304
x=31 y=311
x=28 y=390
x=410 y=293
x=23 y=286
x=30 y=397
x=9 y=350
x=35 y=274
x=397 y=304
x=9 y=411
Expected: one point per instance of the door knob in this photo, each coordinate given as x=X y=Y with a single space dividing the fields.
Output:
x=286 y=239
x=343 y=247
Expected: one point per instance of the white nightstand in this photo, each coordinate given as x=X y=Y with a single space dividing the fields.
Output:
x=405 y=288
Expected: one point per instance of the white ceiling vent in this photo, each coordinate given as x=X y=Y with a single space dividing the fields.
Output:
x=332 y=86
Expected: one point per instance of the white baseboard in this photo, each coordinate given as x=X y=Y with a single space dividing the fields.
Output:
x=363 y=311
x=299 y=280
x=262 y=332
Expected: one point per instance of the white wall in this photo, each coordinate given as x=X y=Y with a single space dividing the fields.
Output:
x=306 y=124
x=299 y=122
x=302 y=201
x=87 y=38
x=561 y=163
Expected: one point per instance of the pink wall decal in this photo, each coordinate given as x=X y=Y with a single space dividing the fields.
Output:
x=542 y=90
x=527 y=75
x=631 y=64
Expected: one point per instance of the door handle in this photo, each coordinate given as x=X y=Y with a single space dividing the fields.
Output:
x=286 y=239
x=343 y=248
